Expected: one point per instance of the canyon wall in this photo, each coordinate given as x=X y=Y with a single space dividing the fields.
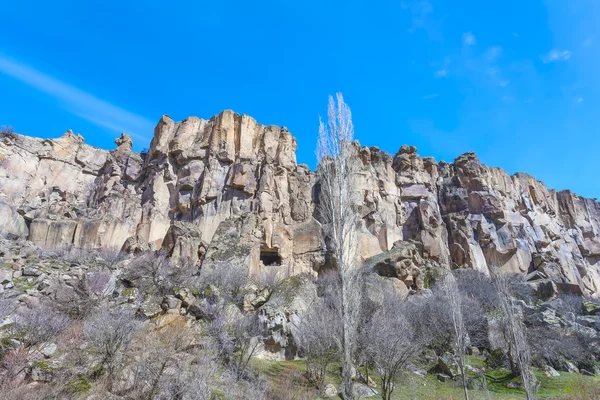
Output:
x=213 y=190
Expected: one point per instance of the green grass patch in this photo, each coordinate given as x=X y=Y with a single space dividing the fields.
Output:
x=410 y=386
x=79 y=385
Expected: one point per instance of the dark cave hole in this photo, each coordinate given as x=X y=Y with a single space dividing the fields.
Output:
x=270 y=257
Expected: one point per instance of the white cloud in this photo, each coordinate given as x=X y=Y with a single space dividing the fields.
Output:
x=430 y=96
x=587 y=43
x=493 y=53
x=555 y=55
x=503 y=83
x=579 y=100
x=515 y=34
x=469 y=39
x=422 y=17
x=442 y=71
x=78 y=102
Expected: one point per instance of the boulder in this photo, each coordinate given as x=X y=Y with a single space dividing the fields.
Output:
x=550 y=372
x=447 y=366
x=364 y=391
x=330 y=391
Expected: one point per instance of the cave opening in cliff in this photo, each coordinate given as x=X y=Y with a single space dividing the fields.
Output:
x=270 y=257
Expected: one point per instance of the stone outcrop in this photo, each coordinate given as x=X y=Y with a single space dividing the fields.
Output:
x=212 y=190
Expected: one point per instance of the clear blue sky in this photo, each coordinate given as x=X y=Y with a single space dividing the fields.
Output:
x=518 y=82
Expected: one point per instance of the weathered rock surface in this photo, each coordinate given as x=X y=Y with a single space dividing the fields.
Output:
x=212 y=189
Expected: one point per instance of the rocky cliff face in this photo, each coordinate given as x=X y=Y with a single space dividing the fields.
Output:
x=211 y=190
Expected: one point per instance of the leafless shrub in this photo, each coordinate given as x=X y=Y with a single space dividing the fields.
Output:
x=169 y=365
x=109 y=332
x=191 y=383
x=148 y=272
x=235 y=337
x=33 y=328
x=7 y=307
x=555 y=346
x=368 y=309
x=477 y=286
x=551 y=347
x=246 y=332
x=83 y=294
x=317 y=335
x=77 y=255
x=229 y=278
x=568 y=303
x=155 y=273
x=431 y=320
x=291 y=385
x=245 y=389
x=13 y=365
x=476 y=323
x=37 y=326
x=268 y=277
x=6 y=130
x=392 y=343
x=328 y=288
x=221 y=343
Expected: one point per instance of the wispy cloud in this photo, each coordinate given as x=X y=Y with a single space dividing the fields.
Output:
x=493 y=53
x=587 y=43
x=442 y=71
x=555 y=55
x=579 y=100
x=469 y=39
x=420 y=10
x=430 y=96
x=79 y=102
x=422 y=17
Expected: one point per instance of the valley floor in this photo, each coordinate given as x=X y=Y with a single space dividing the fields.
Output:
x=567 y=386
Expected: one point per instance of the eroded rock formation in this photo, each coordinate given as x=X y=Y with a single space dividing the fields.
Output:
x=210 y=190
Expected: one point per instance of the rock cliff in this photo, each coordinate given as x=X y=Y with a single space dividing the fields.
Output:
x=211 y=190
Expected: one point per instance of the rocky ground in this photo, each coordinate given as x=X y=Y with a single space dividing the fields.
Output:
x=165 y=305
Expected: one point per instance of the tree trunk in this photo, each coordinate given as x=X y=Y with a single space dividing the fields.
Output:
x=347 y=346
x=464 y=377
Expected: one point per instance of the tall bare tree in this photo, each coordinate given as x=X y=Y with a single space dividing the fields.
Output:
x=453 y=296
x=516 y=333
x=337 y=161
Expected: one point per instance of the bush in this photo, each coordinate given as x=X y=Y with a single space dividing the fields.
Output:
x=554 y=347
x=109 y=333
x=39 y=325
x=568 y=303
x=6 y=130
x=497 y=359
x=229 y=278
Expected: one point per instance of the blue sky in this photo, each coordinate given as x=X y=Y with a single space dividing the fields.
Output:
x=515 y=81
